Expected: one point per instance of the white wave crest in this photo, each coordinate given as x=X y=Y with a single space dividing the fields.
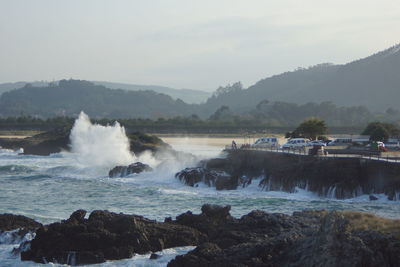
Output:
x=95 y=145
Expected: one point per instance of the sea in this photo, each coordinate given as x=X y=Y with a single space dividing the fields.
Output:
x=49 y=188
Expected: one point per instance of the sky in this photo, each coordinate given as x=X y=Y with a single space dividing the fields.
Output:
x=187 y=44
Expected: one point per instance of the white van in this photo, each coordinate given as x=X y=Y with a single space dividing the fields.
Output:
x=266 y=142
x=296 y=143
x=341 y=142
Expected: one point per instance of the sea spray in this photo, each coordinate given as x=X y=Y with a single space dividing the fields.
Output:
x=95 y=145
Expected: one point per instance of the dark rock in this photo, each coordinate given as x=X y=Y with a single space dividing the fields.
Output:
x=77 y=217
x=372 y=197
x=309 y=238
x=154 y=256
x=14 y=229
x=57 y=140
x=122 y=171
x=215 y=210
x=340 y=178
x=106 y=236
x=10 y=222
x=217 y=178
x=42 y=144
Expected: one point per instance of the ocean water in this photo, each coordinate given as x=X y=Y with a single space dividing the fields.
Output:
x=49 y=189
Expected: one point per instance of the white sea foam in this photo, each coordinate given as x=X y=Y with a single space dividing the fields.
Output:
x=95 y=145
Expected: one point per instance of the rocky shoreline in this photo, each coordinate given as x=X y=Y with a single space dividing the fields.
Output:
x=340 y=178
x=306 y=238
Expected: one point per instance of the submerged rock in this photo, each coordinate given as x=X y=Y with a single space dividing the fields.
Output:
x=122 y=171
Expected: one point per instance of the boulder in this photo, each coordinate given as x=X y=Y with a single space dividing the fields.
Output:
x=122 y=171
x=105 y=236
x=14 y=228
x=10 y=222
x=372 y=197
x=216 y=178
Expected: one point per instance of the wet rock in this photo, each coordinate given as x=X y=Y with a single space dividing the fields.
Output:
x=372 y=197
x=77 y=217
x=105 y=236
x=122 y=171
x=154 y=256
x=215 y=210
x=340 y=178
x=215 y=178
x=10 y=222
x=309 y=238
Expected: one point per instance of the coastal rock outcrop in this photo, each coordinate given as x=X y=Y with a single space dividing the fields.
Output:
x=307 y=238
x=42 y=144
x=13 y=228
x=340 y=178
x=57 y=140
x=10 y=222
x=217 y=178
x=122 y=171
x=105 y=236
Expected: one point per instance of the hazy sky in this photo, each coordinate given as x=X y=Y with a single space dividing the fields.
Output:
x=197 y=44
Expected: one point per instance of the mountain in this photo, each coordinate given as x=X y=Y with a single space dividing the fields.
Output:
x=187 y=95
x=5 y=87
x=373 y=82
x=69 y=97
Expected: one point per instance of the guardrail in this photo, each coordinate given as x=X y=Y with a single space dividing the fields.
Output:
x=304 y=152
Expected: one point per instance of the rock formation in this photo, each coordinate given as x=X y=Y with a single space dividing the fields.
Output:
x=10 y=222
x=13 y=228
x=329 y=177
x=307 y=238
x=122 y=171
x=57 y=140
x=105 y=236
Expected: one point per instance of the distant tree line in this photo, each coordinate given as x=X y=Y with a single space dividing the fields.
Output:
x=57 y=104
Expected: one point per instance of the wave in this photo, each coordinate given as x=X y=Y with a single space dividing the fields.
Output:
x=15 y=169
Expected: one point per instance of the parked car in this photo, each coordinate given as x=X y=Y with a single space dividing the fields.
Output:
x=340 y=142
x=266 y=142
x=295 y=143
x=316 y=143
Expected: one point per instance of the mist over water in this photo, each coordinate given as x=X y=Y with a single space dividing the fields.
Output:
x=95 y=145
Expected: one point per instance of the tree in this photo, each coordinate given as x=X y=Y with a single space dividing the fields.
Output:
x=380 y=131
x=223 y=113
x=311 y=128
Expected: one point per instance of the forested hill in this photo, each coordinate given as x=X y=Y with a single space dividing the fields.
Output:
x=373 y=82
x=69 y=97
x=187 y=95
x=5 y=87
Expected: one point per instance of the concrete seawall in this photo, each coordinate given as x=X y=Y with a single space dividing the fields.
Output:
x=327 y=176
